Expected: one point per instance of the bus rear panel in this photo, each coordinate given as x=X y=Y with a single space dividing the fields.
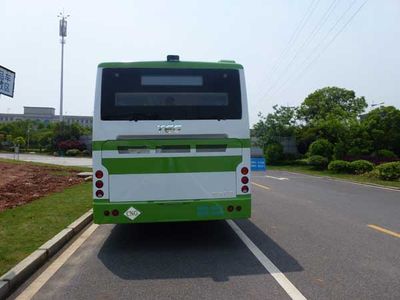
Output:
x=170 y=142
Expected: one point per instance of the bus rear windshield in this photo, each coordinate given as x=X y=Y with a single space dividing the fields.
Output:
x=170 y=94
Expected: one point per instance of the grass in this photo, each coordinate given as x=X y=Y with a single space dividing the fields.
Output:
x=25 y=228
x=365 y=178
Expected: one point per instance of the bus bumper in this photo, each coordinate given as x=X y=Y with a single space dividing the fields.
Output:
x=105 y=212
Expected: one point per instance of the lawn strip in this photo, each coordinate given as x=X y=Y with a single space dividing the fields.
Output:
x=23 y=229
x=366 y=178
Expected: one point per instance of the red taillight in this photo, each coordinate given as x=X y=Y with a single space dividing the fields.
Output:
x=99 y=194
x=245 y=180
x=99 y=174
x=245 y=189
x=115 y=212
x=230 y=208
x=244 y=171
x=106 y=213
x=238 y=208
x=99 y=184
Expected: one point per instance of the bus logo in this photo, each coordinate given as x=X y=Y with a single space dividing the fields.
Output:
x=169 y=128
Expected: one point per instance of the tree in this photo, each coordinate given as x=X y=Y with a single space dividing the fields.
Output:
x=280 y=123
x=19 y=141
x=331 y=103
x=382 y=125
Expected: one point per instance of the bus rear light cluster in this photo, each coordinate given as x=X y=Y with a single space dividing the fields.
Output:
x=231 y=208
x=114 y=213
x=99 y=184
x=245 y=179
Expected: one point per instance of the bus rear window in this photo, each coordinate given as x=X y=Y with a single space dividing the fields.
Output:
x=170 y=94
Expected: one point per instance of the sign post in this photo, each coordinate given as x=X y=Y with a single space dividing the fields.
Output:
x=7 y=82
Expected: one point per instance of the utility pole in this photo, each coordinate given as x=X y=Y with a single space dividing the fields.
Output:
x=63 y=35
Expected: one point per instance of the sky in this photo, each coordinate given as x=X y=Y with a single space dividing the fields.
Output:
x=289 y=48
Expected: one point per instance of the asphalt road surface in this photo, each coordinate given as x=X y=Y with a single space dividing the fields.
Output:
x=308 y=237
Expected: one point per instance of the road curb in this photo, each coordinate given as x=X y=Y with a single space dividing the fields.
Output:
x=24 y=269
x=4 y=288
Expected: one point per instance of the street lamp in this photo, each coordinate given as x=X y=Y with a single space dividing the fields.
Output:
x=373 y=105
x=63 y=35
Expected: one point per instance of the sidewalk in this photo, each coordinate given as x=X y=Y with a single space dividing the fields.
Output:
x=47 y=159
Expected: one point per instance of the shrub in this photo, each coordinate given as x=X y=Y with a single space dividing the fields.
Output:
x=273 y=153
x=301 y=162
x=389 y=171
x=72 y=152
x=384 y=153
x=86 y=152
x=318 y=162
x=70 y=144
x=321 y=147
x=339 y=166
x=361 y=166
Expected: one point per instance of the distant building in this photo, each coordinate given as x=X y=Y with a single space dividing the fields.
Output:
x=45 y=114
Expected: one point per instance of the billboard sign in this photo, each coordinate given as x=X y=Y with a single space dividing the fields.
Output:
x=7 y=81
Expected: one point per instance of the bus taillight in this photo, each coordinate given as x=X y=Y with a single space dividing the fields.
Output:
x=115 y=212
x=99 y=174
x=245 y=180
x=245 y=170
x=99 y=194
x=245 y=189
x=99 y=184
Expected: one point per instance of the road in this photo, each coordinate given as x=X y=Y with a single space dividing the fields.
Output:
x=314 y=230
x=54 y=160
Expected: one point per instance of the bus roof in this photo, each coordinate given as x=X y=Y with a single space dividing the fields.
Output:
x=223 y=64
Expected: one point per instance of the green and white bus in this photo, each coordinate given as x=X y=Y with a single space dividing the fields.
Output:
x=170 y=142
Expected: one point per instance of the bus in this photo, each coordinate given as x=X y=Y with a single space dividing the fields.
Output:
x=171 y=142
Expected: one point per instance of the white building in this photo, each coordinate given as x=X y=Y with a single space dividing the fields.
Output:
x=45 y=114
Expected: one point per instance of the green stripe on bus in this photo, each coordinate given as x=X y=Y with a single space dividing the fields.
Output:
x=173 y=65
x=152 y=144
x=156 y=165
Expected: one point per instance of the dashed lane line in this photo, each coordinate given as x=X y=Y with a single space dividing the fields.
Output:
x=384 y=230
x=282 y=280
x=37 y=284
x=278 y=178
x=260 y=186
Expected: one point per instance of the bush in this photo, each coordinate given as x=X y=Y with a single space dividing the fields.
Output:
x=86 y=153
x=301 y=162
x=72 y=152
x=384 y=153
x=389 y=171
x=70 y=144
x=273 y=153
x=321 y=147
x=339 y=166
x=318 y=162
x=361 y=166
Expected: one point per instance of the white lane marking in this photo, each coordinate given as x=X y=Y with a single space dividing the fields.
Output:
x=261 y=186
x=289 y=288
x=278 y=178
x=347 y=181
x=37 y=284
